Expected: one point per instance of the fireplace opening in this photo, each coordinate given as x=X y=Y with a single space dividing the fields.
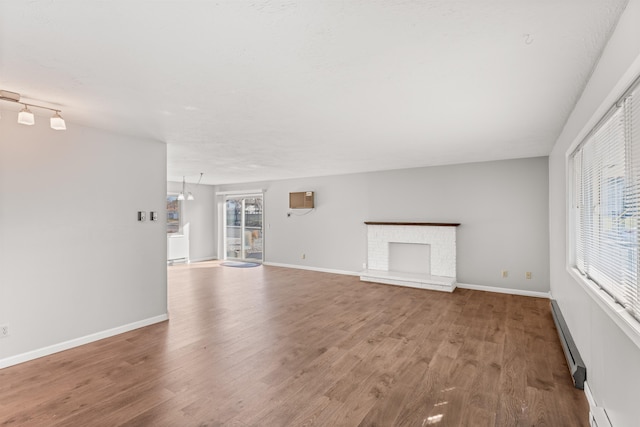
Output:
x=410 y=257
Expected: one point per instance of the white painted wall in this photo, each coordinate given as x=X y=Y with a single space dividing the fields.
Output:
x=502 y=206
x=74 y=261
x=199 y=218
x=613 y=361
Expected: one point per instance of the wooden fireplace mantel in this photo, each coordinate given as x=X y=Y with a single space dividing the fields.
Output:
x=424 y=224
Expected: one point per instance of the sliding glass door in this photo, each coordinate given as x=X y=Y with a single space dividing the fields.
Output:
x=243 y=227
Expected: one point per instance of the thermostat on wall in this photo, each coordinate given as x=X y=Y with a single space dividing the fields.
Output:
x=301 y=200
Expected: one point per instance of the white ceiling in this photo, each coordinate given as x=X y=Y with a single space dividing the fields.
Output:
x=260 y=90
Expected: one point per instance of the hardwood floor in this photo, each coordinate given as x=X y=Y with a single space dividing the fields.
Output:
x=271 y=346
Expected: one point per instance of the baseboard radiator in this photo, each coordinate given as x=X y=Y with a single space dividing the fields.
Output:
x=576 y=365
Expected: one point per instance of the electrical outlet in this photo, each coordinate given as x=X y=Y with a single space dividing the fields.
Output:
x=4 y=331
x=527 y=275
x=364 y=265
x=505 y=274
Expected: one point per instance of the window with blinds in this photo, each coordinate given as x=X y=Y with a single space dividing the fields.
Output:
x=606 y=202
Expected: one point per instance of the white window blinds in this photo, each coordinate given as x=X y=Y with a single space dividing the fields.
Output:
x=606 y=201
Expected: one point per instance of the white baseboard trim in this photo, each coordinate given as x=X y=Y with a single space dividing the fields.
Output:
x=209 y=258
x=525 y=293
x=306 y=267
x=536 y=294
x=597 y=415
x=76 y=342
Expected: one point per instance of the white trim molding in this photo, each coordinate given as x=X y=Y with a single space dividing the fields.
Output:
x=597 y=415
x=521 y=292
x=210 y=258
x=627 y=323
x=76 y=342
x=306 y=267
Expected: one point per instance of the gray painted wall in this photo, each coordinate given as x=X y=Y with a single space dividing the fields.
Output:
x=200 y=215
x=613 y=371
x=502 y=206
x=74 y=261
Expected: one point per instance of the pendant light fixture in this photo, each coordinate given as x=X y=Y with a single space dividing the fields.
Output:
x=189 y=196
x=26 y=116
x=181 y=195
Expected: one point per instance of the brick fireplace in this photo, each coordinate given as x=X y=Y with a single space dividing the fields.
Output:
x=407 y=241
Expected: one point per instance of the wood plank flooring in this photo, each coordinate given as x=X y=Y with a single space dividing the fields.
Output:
x=271 y=346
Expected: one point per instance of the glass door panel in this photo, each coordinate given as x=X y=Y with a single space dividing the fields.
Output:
x=253 y=228
x=243 y=228
x=233 y=225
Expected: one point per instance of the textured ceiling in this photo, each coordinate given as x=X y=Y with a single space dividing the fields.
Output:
x=259 y=90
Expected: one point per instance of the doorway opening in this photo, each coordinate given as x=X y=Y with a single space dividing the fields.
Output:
x=243 y=228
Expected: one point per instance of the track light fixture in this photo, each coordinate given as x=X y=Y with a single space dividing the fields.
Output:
x=26 y=117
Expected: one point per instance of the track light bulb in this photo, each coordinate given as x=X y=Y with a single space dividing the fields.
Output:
x=26 y=117
x=57 y=122
x=181 y=196
x=190 y=196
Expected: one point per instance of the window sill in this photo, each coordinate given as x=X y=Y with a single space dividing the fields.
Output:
x=629 y=325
